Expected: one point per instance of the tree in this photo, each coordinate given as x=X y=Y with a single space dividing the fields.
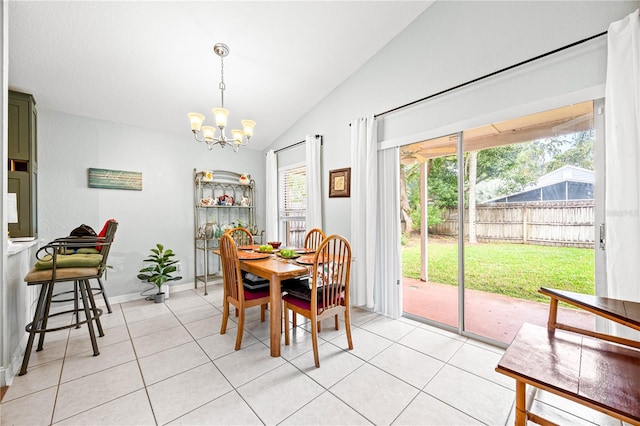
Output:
x=472 y=160
x=578 y=152
x=511 y=167
x=405 y=209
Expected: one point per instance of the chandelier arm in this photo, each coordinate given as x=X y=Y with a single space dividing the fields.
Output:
x=195 y=136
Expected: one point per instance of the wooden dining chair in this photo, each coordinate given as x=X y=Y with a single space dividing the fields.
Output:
x=311 y=241
x=329 y=292
x=234 y=292
x=241 y=236
x=313 y=238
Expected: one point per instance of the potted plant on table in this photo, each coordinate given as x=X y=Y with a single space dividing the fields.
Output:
x=160 y=270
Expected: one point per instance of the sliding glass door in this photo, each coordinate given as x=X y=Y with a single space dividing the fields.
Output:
x=429 y=196
x=526 y=207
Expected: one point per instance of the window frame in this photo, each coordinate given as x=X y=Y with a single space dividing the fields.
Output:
x=292 y=225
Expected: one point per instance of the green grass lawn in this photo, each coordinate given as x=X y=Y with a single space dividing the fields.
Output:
x=515 y=270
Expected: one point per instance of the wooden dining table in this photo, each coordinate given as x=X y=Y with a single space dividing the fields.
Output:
x=275 y=270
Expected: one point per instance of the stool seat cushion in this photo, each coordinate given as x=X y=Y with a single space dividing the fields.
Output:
x=82 y=250
x=80 y=260
x=62 y=274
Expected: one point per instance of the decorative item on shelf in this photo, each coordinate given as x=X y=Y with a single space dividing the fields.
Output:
x=160 y=269
x=239 y=137
x=225 y=200
x=239 y=224
x=222 y=229
x=207 y=201
x=245 y=179
x=245 y=202
x=208 y=230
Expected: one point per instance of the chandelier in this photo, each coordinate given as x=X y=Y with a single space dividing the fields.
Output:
x=238 y=137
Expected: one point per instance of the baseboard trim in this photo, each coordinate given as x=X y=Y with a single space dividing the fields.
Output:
x=135 y=296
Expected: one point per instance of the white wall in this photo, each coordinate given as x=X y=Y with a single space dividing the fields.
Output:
x=161 y=213
x=5 y=330
x=452 y=43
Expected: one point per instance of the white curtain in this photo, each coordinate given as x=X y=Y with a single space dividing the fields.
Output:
x=313 y=148
x=622 y=162
x=271 y=197
x=363 y=209
x=388 y=270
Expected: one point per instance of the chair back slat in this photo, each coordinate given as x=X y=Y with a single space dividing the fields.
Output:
x=331 y=273
x=231 y=277
x=313 y=238
x=241 y=236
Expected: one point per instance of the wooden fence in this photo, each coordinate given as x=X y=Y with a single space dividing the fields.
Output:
x=555 y=223
x=295 y=231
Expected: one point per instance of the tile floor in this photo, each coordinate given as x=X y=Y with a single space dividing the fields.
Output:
x=168 y=364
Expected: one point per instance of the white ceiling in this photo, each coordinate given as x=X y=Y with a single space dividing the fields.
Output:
x=150 y=63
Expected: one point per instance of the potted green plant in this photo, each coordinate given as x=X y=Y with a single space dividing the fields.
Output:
x=160 y=270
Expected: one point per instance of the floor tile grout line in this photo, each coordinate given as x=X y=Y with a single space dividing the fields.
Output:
x=406 y=406
x=329 y=389
x=64 y=360
x=60 y=383
x=289 y=361
x=135 y=353
x=233 y=388
x=512 y=410
x=419 y=390
x=212 y=361
x=96 y=406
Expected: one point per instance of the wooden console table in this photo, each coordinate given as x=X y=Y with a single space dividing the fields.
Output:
x=577 y=364
x=621 y=311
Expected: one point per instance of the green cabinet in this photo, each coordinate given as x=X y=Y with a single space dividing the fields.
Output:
x=23 y=161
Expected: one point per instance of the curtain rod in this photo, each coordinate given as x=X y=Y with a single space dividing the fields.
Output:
x=296 y=144
x=475 y=80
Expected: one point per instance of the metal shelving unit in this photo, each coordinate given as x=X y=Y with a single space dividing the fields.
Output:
x=222 y=200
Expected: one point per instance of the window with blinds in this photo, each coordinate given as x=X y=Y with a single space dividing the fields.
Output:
x=292 y=207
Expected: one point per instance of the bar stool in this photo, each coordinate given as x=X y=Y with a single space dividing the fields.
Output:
x=103 y=241
x=55 y=267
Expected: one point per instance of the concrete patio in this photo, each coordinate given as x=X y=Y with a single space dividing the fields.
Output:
x=491 y=315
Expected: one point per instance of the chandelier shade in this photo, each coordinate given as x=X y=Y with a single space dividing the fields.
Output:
x=196 y=121
x=207 y=134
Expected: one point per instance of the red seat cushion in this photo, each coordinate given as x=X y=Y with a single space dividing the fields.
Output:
x=300 y=303
x=251 y=295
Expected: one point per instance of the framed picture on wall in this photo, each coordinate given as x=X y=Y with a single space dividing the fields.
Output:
x=340 y=183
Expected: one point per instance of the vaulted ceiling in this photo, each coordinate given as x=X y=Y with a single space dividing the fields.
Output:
x=149 y=63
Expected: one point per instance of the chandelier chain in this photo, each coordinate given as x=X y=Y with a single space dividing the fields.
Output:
x=222 y=86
